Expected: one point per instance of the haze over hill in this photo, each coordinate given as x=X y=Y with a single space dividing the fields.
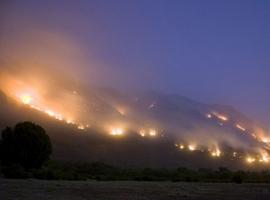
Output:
x=210 y=51
x=146 y=129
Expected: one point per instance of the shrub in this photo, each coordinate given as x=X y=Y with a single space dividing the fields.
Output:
x=27 y=145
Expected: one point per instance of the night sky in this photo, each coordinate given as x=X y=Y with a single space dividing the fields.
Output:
x=210 y=51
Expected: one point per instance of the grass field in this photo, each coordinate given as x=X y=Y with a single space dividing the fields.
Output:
x=125 y=190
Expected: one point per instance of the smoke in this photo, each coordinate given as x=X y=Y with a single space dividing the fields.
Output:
x=37 y=52
x=52 y=67
x=47 y=65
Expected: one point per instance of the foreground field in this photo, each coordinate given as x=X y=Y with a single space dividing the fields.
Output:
x=80 y=190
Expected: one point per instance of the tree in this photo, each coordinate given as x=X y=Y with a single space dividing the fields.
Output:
x=27 y=145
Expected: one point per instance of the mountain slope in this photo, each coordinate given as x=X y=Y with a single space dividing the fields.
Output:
x=176 y=120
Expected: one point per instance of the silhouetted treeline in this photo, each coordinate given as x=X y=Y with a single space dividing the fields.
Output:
x=25 y=151
x=67 y=170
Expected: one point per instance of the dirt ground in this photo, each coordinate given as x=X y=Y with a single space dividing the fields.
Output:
x=128 y=190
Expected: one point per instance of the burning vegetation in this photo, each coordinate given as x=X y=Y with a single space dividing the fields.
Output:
x=72 y=107
x=260 y=156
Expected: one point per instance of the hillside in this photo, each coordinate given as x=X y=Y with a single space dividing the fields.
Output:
x=160 y=131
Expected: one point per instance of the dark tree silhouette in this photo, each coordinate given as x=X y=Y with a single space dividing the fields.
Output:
x=27 y=145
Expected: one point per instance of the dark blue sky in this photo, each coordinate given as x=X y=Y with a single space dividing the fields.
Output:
x=212 y=51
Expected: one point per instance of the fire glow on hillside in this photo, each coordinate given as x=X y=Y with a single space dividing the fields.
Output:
x=262 y=157
x=117 y=131
x=220 y=116
x=240 y=127
x=26 y=98
x=216 y=153
x=66 y=111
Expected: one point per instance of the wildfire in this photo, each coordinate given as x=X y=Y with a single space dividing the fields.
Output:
x=191 y=147
x=265 y=140
x=240 y=127
x=181 y=146
x=117 y=132
x=149 y=132
x=264 y=157
x=152 y=132
x=35 y=107
x=220 y=116
x=142 y=133
x=250 y=159
x=50 y=113
x=54 y=115
x=69 y=121
x=26 y=98
x=81 y=127
x=216 y=153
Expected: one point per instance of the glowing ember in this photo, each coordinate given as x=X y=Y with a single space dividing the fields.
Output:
x=81 y=127
x=191 y=147
x=142 y=133
x=265 y=140
x=152 y=132
x=117 y=131
x=209 y=116
x=50 y=113
x=181 y=146
x=69 y=121
x=54 y=115
x=264 y=157
x=240 y=127
x=220 y=116
x=35 y=107
x=250 y=159
x=26 y=98
x=216 y=153
x=59 y=117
